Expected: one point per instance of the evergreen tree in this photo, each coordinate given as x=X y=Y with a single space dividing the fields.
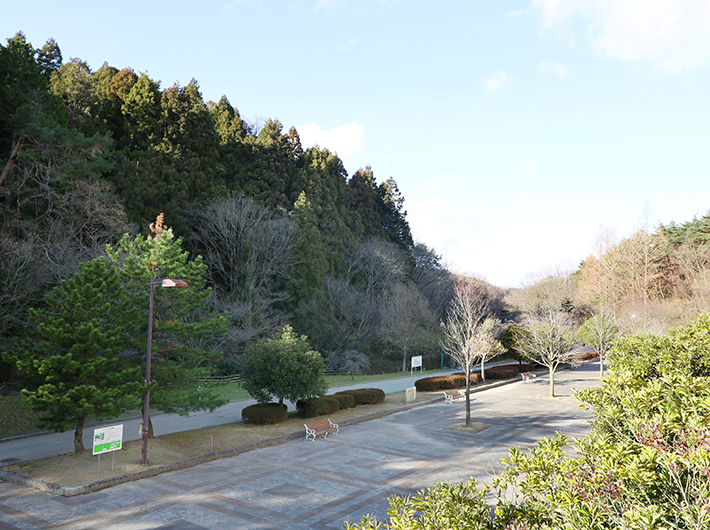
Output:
x=72 y=359
x=182 y=323
x=285 y=367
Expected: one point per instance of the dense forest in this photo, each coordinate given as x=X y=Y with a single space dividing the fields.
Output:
x=286 y=236
x=649 y=282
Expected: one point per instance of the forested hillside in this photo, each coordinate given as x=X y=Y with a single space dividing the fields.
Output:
x=287 y=236
x=650 y=281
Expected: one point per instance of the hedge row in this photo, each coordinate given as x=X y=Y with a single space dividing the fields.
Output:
x=458 y=379
x=444 y=382
x=339 y=401
x=365 y=396
x=265 y=413
x=585 y=356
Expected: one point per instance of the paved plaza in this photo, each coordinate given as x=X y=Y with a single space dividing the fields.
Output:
x=303 y=485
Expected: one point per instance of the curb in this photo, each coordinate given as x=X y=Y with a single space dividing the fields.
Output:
x=71 y=491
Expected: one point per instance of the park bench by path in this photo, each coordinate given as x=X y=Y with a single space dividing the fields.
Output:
x=454 y=395
x=528 y=377
x=323 y=427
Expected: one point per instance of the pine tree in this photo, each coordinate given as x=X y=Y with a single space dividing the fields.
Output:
x=72 y=360
x=182 y=323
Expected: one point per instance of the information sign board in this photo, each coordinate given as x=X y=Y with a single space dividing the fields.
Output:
x=108 y=439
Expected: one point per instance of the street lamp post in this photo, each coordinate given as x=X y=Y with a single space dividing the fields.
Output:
x=146 y=398
x=441 y=325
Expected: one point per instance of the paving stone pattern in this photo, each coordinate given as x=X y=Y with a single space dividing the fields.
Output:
x=302 y=485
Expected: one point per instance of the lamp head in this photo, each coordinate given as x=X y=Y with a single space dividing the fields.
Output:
x=167 y=282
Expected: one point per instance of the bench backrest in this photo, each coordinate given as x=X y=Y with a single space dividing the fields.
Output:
x=319 y=425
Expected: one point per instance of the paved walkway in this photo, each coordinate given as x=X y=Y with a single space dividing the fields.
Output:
x=302 y=485
x=22 y=449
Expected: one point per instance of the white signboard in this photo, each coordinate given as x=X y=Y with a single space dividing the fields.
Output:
x=416 y=363
x=108 y=439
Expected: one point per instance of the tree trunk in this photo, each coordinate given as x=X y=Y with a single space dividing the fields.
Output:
x=483 y=372
x=552 y=382
x=468 y=396
x=79 y=436
x=601 y=365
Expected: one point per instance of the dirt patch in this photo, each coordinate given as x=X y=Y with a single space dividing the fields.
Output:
x=73 y=470
x=474 y=428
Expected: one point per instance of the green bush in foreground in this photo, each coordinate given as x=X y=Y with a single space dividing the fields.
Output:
x=440 y=506
x=645 y=465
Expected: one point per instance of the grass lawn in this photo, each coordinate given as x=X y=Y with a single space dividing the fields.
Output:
x=16 y=418
x=70 y=469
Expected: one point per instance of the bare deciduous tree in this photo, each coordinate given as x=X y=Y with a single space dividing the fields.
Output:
x=600 y=332
x=340 y=316
x=406 y=319
x=469 y=333
x=248 y=250
x=375 y=265
x=349 y=361
x=547 y=340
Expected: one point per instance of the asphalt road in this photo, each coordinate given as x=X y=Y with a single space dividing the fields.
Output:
x=39 y=446
x=303 y=485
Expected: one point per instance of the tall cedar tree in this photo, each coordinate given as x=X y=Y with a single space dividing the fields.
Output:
x=181 y=321
x=72 y=360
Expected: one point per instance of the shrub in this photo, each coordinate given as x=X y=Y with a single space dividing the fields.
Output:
x=506 y=371
x=285 y=367
x=366 y=396
x=265 y=413
x=444 y=382
x=347 y=401
x=318 y=406
x=582 y=356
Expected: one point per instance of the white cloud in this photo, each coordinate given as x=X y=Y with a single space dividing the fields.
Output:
x=350 y=46
x=673 y=36
x=495 y=81
x=526 y=169
x=548 y=67
x=346 y=140
x=516 y=13
x=323 y=5
x=231 y=5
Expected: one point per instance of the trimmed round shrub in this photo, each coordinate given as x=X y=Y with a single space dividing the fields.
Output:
x=265 y=413
x=366 y=396
x=318 y=406
x=347 y=401
x=507 y=371
x=585 y=356
x=444 y=382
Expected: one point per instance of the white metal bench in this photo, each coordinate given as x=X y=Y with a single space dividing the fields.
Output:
x=450 y=396
x=528 y=377
x=320 y=427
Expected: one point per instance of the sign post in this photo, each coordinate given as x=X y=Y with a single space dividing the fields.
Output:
x=416 y=363
x=108 y=440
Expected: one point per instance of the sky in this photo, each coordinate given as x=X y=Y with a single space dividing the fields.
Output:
x=517 y=131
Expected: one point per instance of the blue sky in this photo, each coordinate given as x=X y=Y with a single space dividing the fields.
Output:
x=516 y=130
